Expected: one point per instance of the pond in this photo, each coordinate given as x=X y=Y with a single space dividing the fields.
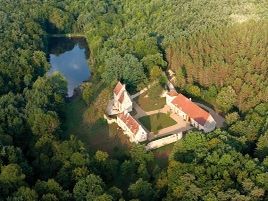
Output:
x=69 y=57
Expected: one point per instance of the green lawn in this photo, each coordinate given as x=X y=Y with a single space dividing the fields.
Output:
x=157 y=121
x=97 y=136
x=151 y=100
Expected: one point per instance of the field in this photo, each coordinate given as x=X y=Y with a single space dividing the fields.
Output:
x=157 y=121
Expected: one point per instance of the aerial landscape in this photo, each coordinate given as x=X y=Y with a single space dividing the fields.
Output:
x=134 y=100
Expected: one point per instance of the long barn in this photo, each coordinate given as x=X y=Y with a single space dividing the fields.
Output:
x=190 y=112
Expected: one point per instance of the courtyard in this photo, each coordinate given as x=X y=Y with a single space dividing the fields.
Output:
x=172 y=122
x=155 y=116
x=151 y=100
x=156 y=122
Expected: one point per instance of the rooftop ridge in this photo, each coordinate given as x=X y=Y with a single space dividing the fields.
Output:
x=119 y=86
x=191 y=109
x=130 y=122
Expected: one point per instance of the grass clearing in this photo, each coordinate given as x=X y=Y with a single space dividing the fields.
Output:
x=151 y=100
x=157 y=121
x=96 y=136
x=73 y=110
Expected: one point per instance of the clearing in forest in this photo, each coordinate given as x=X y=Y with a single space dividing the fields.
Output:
x=151 y=99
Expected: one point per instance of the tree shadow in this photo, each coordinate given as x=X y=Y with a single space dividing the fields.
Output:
x=185 y=157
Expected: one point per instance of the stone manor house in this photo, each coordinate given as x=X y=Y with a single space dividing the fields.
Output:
x=121 y=105
x=119 y=109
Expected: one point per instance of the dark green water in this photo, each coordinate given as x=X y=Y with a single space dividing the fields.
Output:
x=69 y=57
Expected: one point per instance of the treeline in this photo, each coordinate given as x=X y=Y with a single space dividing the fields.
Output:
x=129 y=40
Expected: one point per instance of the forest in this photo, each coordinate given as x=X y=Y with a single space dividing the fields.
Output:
x=219 y=53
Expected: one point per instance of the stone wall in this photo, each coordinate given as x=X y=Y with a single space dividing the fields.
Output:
x=109 y=120
x=163 y=141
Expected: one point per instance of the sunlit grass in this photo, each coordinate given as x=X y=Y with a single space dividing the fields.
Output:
x=157 y=121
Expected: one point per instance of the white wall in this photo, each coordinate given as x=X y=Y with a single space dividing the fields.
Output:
x=141 y=135
x=196 y=124
x=109 y=120
x=115 y=107
x=169 y=99
x=163 y=141
x=127 y=103
x=210 y=125
x=178 y=111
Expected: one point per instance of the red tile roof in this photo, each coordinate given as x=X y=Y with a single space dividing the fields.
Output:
x=121 y=98
x=118 y=88
x=173 y=93
x=131 y=123
x=191 y=109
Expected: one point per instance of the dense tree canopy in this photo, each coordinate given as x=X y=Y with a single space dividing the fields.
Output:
x=208 y=59
x=218 y=50
x=210 y=168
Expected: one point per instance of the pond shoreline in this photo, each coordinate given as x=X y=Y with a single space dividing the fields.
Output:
x=69 y=56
